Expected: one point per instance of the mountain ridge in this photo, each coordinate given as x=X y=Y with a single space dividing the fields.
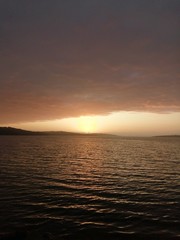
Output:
x=17 y=131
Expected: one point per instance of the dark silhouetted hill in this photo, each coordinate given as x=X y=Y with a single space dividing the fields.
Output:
x=16 y=131
x=168 y=136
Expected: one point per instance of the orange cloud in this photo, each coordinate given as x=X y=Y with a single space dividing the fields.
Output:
x=63 y=60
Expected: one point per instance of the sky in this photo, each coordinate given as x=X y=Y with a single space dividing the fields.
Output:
x=90 y=65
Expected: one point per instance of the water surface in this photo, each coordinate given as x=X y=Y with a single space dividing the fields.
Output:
x=80 y=187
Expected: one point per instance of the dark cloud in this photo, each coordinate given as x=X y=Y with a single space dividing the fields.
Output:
x=66 y=58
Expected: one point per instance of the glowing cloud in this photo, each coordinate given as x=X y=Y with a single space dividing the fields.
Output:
x=71 y=58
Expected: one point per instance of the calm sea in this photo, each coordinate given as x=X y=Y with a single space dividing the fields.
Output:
x=84 y=187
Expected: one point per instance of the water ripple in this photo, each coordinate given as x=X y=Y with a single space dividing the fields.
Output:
x=101 y=188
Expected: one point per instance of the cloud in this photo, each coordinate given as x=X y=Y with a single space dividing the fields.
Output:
x=69 y=58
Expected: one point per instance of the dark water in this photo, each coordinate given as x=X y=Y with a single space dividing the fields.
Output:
x=90 y=187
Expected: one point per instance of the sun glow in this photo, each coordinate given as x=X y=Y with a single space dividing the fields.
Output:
x=122 y=123
x=87 y=124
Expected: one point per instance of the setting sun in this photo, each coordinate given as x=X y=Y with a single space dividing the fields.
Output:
x=87 y=124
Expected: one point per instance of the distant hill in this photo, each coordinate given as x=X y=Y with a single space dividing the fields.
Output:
x=163 y=136
x=16 y=131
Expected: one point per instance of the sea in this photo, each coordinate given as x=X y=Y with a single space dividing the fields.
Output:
x=89 y=187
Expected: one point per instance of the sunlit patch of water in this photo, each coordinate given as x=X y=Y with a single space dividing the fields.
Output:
x=69 y=186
